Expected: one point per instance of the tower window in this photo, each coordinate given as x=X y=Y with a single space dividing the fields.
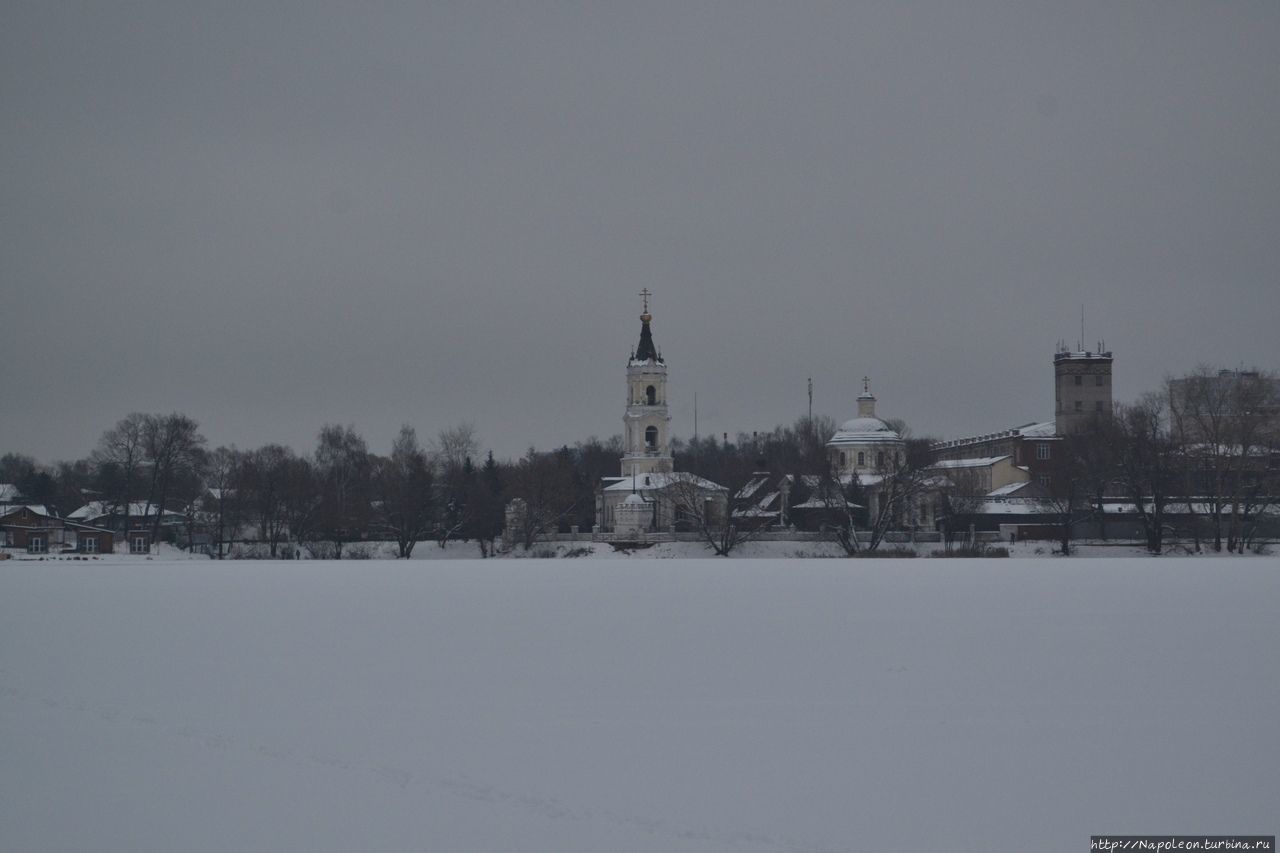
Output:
x=1079 y=405
x=651 y=437
x=1097 y=407
x=1097 y=380
x=651 y=394
x=1079 y=379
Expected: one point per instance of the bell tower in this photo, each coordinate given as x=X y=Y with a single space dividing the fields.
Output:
x=646 y=425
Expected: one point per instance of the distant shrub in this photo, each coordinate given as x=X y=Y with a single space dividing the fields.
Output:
x=357 y=552
x=577 y=552
x=973 y=551
x=889 y=553
x=322 y=550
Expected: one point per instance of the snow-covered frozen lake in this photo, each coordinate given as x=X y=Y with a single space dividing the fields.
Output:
x=635 y=705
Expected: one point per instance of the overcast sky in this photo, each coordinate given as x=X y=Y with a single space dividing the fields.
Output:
x=276 y=215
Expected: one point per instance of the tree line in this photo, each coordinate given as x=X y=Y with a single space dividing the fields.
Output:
x=1197 y=460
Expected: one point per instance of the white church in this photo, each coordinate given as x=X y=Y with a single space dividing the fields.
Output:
x=650 y=496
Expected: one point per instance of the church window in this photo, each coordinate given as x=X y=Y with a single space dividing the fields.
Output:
x=862 y=458
x=843 y=461
x=651 y=395
x=651 y=437
x=880 y=459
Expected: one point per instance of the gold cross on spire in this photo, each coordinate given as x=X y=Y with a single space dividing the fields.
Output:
x=646 y=294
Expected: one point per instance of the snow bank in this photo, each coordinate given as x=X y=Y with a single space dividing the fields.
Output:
x=638 y=705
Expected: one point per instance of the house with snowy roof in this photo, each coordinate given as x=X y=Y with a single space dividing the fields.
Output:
x=142 y=518
x=32 y=528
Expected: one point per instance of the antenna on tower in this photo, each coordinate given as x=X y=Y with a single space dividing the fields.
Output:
x=1082 y=327
x=811 y=402
x=695 y=418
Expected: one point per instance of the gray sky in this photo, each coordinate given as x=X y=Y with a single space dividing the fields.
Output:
x=275 y=215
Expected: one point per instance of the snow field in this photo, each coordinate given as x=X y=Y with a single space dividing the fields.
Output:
x=635 y=705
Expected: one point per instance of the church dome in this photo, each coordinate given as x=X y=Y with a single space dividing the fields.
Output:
x=865 y=433
x=867 y=426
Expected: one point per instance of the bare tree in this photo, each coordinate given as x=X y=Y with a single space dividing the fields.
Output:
x=342 y=468
x=261 y=484
x=452 y=452
x=455 y=445
x=898 y=483
x=1220 y=420
x=961 y=495
x=1146 y=463
x=707 y=508
x=843 y=508
x=404 y=486
x=222 y=476
x=119 y=460
x=1068 y=493
x=544 y=483
x=301 y=501
x=172 y=447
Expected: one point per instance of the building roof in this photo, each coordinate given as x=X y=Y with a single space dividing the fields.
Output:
x=1006 y=491
x=646 y=351
x=1035 y=429
x=9 y=493
x=864 y=431
x=651 y=482
x=38 y=509
x=137 y=509
x=980 y=462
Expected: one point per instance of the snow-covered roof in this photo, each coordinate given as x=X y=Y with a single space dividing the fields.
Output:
x=832 y=502
x=1005 y=491
x=864 y=425
x=9 y=493
x=762 y=507
x=864 y=431
x=752 y=487
x=1038 y=430
x=649 y=482
x=981 y=462
x=38 y=509
x=1046 y=429
x=137 y=509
